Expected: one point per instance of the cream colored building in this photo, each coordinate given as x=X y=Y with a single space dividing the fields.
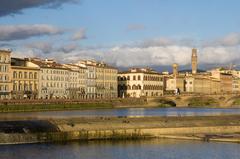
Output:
x=140 y=82
x=25 y=79
x=77 y=81
x=5 y=74
x=91 y=78
x=101 y=80
x=53 y=79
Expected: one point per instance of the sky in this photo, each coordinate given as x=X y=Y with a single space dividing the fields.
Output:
x=123 y=33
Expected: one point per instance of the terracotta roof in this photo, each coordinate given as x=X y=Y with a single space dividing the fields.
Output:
x=46 y=64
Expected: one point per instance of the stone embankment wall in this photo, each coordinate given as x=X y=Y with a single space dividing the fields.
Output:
x=115 y=134
x=125 y=128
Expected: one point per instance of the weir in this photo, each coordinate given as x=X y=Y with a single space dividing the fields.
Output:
x=113 y=128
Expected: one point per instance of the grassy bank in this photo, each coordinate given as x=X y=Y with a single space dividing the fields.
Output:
x=53 y=107
x=202 y=102
x=236 y=102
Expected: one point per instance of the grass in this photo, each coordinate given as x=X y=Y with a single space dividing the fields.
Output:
x=202 y=101
x=166 y=103
x=53 y=107
x=236 y=102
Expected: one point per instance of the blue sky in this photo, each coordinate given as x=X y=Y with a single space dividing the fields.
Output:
x=108 y=28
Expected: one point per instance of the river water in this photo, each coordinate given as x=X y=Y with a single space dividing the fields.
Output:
x=136 y=149
x=139 y=112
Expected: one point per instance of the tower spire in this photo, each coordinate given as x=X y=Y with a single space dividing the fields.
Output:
x=194 y=61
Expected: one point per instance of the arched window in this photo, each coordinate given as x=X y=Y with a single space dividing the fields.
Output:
x=139 y=77
x=20 y=74
x=35 y=75
x=30 y=75
x=14 y=74
x=139 y=86
x=119 y=87
x=128 y=77
x=134 y=77
x=134 y=87
x=129 y=87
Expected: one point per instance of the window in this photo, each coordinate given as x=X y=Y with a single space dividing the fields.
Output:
x=31 y=75
x=14 y=74
x=25 y=75
x=20 y=74
x=139 y=77
x=134 y=77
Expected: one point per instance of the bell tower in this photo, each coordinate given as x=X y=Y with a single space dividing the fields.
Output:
x=194 y=61
x=175 y=69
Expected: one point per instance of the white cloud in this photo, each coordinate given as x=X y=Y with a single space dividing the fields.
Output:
x=151 y=53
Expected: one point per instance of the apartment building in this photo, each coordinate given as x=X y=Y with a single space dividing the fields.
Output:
x=101 y=80
x=138 y=82
x=77 y=81
x=5 y=74
x=53 y=79
x=25 y=79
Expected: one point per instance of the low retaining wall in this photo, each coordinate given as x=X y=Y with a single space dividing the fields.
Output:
x=113 y=134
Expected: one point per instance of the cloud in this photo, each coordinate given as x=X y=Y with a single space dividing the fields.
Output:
x=219 y=55
x=68 y=48
x=44 y=47
x=79 y=35
x=232 y=39
x=18 y=32
x=160 y=52
x=8 y=7
x=135 y=27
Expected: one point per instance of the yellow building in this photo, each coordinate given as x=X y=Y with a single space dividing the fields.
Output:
x=140 y=82
x=25 y=79
x=197 y=82
x=106 y=81
x=5 y=74
x=101 y=79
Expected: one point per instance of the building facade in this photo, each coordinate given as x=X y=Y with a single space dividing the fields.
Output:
x=77 y=81
x=140 y=83
x=53 y=80
x=5 y=74
x=90 y=78
x=25 y=79
x=101 y=80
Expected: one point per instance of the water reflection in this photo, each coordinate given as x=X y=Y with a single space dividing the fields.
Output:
x=139 y=112
x=144 y=149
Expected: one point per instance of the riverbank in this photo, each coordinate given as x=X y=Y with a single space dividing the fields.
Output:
x=210 y=128
x=60 y=105
x=8 y=106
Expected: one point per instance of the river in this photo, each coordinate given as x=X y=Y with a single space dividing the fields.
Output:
x=136 y=149
x=139 y=112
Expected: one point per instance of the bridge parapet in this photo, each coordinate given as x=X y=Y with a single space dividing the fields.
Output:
x=222 y=100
